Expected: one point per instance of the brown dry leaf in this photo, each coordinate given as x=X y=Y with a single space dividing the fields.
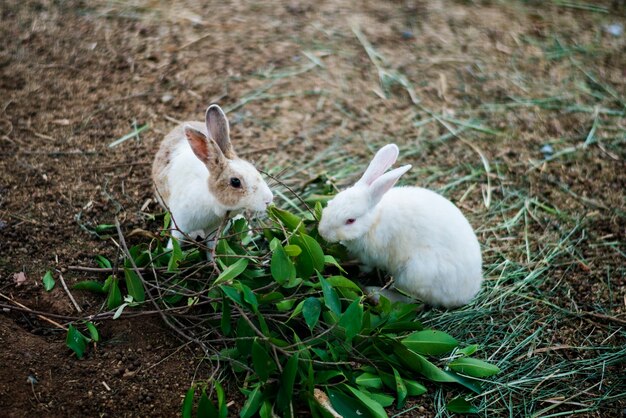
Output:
x=141 y=233
x=323 y=400
x=19 y=278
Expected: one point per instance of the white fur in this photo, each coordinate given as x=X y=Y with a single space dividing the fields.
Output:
x=194 y=209
x=415 y=234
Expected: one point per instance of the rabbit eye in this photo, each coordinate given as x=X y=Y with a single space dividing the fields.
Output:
x=235 y=182
x=350 y=221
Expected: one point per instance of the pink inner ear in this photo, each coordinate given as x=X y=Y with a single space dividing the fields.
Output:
x=198 y=143
x=384 y=158
x=378 y=168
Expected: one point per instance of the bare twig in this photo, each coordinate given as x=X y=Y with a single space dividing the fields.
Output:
x=124 y=248
x=290 y=190
x=195 y=41
x=69 y=293
x=40 y=316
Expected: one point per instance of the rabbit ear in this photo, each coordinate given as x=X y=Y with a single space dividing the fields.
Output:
x=219 y=131
x=384 y=158
x=205 y=149
x=382 y=184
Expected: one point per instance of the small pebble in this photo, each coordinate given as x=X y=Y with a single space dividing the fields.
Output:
x=407 y=34
x=547 y=150
x=615 y=29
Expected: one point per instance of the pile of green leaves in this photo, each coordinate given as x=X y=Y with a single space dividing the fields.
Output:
x=278 y=314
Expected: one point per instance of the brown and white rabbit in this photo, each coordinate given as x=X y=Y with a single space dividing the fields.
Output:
x=415 y=234
x=199 y=178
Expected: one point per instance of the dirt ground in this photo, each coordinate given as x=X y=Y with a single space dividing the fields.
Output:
x=76 y=75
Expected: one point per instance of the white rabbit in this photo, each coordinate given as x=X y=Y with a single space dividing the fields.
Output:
x=419 y=237
x=200 y=179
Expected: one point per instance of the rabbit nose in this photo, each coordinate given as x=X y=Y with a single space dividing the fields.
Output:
x=269 y=198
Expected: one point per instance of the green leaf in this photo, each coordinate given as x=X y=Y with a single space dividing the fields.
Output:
x=93 y=331
x=188 y=402
x=287 y=219
x=140 y=255
x=114 y=298
x=341 y=281
x=223 y=249
x=261 y=360
x=206 y=409
x=287 y=380
x=323 y=376
x=240 y=227
x=177 y=255
x=134 y=285
x=245 y=335
x=250 y=297
x=233 y=294
x=285 y=305
x=252 y=404
x=347 y=406
x=329 y=259
x=107 y=284
x=414 y=388
x=281 y=267
x=430 y=342
x=331 y=300
x=266 y=410
x=90 y=285
x=103 y=262
x=311 y=310
x=352 y=319
x=374 y=407
x=232 y=271
x=400 y=388
x=272 y=297
x=318 y=210
x=461 y=406
x=311 y=258
x=382 y=398
x=418 y=363
x=167 y=219
x=369 y=380
x=104 y=227
x=402 y=326
x=469 y=350
x=76 y=341
x=48 y=281
x=225 y=320
x=221 y=400
x=473 y=367
x=293 y=250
